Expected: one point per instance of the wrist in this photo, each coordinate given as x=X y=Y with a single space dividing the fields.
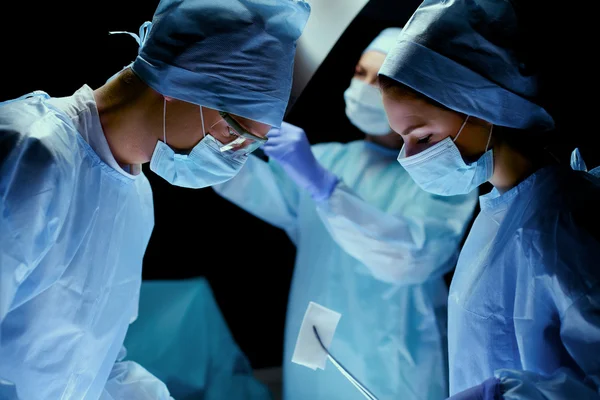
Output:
x=326 y=186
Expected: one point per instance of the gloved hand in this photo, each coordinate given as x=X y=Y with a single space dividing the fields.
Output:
x=488 y=390
x=290 y=147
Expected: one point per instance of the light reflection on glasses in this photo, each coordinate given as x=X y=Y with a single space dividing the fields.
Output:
x=233 y=136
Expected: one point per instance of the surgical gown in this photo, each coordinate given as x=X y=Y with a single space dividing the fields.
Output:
x=376 y=252
x=181 y=337
x=73 y=232
x=524 y=303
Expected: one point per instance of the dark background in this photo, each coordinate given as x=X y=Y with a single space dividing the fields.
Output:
x=59 y=46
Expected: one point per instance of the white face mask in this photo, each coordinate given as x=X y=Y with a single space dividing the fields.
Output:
x=364 y=108
x=441 y=169
x=205 y=165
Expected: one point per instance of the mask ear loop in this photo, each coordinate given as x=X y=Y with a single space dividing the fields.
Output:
x=487 y=146
x=202 y=118
x=164 y=120
x=461 y=128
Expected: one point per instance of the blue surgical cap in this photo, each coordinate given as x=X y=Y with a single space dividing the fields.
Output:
x=235 y=56
x=384 y=42
x=461 y=53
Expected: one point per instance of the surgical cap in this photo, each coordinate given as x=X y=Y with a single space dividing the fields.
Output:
x=462 y=54
x=235 y=56
x=384 y=42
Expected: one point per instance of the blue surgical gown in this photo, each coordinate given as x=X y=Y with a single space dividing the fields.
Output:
x=376 y=252
x=73 y=232
x=524 y=303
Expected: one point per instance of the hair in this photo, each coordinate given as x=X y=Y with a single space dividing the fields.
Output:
x=535 y=145
x=391 y=86
x=532 y=144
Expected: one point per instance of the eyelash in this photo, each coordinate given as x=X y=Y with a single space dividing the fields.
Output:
x=424 y=139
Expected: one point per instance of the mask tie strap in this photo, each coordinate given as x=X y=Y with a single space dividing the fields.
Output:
x=141 y=37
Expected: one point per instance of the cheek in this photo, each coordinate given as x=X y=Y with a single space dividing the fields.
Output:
x=184 y=130
x=471 y=142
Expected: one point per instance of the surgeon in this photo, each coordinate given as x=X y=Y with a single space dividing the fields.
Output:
x=76 y=214
x=371 y=245
x=524 y=303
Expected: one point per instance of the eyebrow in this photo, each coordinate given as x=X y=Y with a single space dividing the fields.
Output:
x=411 y=128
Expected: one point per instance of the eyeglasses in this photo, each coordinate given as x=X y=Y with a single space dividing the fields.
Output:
x=233 y=136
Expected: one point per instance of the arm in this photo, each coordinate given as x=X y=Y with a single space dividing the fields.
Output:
x=580 y=334
x=567 y=248
x=263 y=190
x=567 y=261
x=399 y=248
x=32 y=211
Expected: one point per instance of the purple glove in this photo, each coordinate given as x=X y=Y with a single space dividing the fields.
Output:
x=488 y=390
x=290 y=147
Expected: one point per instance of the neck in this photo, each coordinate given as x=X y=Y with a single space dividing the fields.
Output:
x=129 y=117
x=391 y=141
x=510 y=167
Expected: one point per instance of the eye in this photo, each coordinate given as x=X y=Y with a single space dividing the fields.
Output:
x=424 y=139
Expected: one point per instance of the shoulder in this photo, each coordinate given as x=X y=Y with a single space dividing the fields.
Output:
x=37 y=152
x=29 y=127
x=561 y=231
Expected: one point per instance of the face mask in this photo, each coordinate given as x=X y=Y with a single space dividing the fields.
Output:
x=205 y=165
x=364 y=108
x=441 y=169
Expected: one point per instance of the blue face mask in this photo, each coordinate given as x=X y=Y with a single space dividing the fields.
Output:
x=441 y=169
x=205 y=165
x=364 y=108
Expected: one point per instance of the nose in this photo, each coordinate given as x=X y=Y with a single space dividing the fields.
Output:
x=410 y=149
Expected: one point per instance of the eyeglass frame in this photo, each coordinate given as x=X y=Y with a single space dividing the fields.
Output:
x=240 y=131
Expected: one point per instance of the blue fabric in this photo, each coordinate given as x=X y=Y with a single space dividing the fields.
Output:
x=364 y=108
x=73 y=232
x=525 y=385
x=375 y=251
x=384 y=42
x=577 y=162
x=462 y=54
x=205 y=165
x=490 y=389
x=181 y=337
x=235 y=56
x=525 y=295
x=290 y=147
